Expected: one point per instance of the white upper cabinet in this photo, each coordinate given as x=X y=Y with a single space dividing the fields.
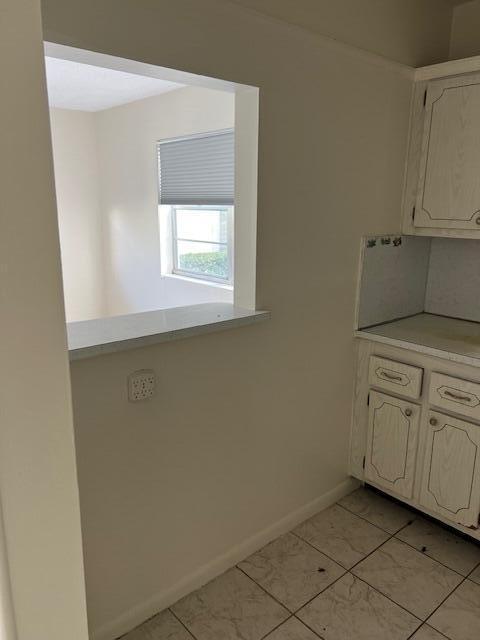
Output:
x=448 y=195
x=442 y=183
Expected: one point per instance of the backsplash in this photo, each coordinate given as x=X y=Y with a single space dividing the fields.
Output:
x=393 y=279
x=405 y=275
x=453 y=287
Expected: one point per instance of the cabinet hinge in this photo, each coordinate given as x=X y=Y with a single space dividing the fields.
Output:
x=413 y=214
x=425 y=98
x=363 y=463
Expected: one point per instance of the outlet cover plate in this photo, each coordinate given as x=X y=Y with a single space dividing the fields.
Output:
x=141 y=385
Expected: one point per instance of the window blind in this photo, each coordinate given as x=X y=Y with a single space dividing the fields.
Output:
x=197 y=170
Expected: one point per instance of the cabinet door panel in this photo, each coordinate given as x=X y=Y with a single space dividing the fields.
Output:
x=392 y=443
x=449 y=188
x=451 y=474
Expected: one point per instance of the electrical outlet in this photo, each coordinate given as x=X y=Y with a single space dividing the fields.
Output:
x=141 y=385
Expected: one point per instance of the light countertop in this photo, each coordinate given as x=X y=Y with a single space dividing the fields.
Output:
x=449 y=338
x=91 y=338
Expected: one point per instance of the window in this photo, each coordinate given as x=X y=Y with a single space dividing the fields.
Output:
x=196 y=180
x=203 y=242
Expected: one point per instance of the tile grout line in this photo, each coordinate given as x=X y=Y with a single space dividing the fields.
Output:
x=472 y=572
x=349 y=571
x=394 y=535
x=346 y=571
x=416 y=515
x=323 y=552
x=292 y=614
x=336 y=561
x=370 y=522
x=181 y=622
x=425 y=555
x=443 y=602
x=265 y=637
x=421 y=621
x=263 y=589
x=391 y=536
x=318 y=594
x=427 y=625
x=424 y=621
x=309 y=627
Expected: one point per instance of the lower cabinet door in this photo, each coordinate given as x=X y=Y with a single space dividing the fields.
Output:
x=392 y=443
x=451 y=473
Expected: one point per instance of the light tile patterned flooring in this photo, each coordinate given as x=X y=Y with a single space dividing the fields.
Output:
x=364 y=569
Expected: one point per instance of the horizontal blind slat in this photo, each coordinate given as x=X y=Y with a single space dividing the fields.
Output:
x=198 y=170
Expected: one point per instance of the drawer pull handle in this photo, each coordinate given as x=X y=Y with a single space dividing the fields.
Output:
x=457 y=396
x=390 y=376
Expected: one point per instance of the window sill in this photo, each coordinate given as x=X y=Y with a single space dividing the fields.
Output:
x=199 y=281
x=91 y=338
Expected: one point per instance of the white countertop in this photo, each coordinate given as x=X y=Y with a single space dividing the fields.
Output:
x=91 y=338
x=449 y=338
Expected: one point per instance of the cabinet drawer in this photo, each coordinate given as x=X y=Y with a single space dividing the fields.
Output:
x=397 y=377
x=454 y=394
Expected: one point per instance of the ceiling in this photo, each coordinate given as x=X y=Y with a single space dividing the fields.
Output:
x=74 y=85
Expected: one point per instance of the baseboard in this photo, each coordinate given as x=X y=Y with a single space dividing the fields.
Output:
x=136 y=615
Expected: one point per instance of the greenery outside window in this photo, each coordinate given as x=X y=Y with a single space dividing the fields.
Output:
x=202 y=238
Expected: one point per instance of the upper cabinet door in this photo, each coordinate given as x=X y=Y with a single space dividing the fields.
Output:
x=448 y=194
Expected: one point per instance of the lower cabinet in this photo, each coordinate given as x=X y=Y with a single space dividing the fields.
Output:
x=416 y=432
x=392 y=443
x=451 y=472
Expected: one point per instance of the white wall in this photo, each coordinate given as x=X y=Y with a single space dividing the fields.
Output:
x=127 y=137
x=465 y=29
x=250 y=425
x=414 y=32
x=77 y=183
x=107 y=193
x=38 y=482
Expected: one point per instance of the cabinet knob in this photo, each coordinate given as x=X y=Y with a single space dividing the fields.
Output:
x=408 y=412
x=433 y=422
x=477 y=220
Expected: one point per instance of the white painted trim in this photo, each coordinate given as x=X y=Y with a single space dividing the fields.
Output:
x=142 y=611
x=369 y=57
x=246 y=189
x=328 y=41
x=246 y=157
x=8 y=628
x=64 y=52
x=418 y=348
x=358 y=288
x=450 y=68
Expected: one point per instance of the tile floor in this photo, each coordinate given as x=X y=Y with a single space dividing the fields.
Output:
x=364 y=569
